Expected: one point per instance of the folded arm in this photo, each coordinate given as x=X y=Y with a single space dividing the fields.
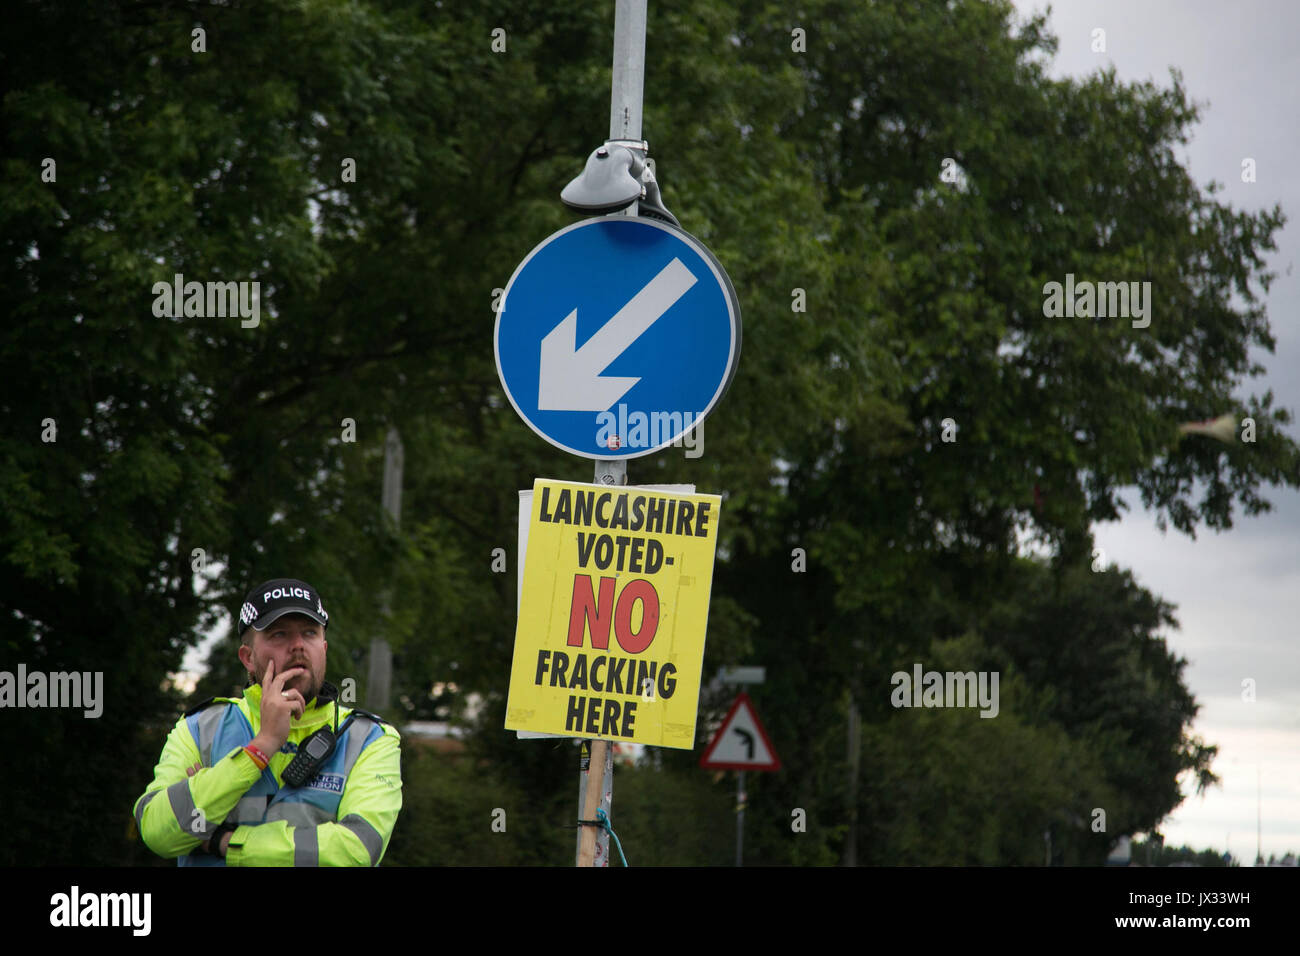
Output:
x=187 y=801
x=372 y=798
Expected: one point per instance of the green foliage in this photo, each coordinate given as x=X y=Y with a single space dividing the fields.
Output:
x=668 y=817
x=456 y=811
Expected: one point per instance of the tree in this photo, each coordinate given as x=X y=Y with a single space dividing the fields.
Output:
x=903 y=528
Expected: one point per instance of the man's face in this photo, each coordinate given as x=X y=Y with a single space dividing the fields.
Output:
x=294 y=640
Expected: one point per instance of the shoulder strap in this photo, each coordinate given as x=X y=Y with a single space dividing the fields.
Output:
x=204 y=704
x=358 y=712
x=199 y=706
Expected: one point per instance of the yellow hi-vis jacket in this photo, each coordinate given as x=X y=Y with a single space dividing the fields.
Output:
x=342 y=817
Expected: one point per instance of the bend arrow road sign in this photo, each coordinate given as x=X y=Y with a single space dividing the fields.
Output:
x=741 y=743
x=616 y=336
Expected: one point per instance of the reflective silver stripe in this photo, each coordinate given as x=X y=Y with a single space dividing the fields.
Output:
x=144 y=802
x=306 y=849
x=249 y=810
x=298 y=814
x=368 y=835
x=357 y=735
x=182 y=802
x=209 y=721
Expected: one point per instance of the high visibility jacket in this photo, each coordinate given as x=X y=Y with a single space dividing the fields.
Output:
x=342 y=817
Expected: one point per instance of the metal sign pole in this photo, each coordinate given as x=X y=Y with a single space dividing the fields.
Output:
x=379 y=680
x=627 y=91
x=628 y=88
x=740 y=818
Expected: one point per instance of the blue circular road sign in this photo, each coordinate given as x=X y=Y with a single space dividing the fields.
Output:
x=616 y=336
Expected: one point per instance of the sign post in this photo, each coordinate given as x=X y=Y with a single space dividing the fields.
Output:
x=613 y=614
x=740 y=818
x=740 y=744
x=614 y=338
x=626 y=97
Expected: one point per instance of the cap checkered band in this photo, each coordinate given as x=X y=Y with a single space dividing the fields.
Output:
x=272 y=600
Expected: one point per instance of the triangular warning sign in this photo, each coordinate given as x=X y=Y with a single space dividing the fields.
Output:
x=741 y=743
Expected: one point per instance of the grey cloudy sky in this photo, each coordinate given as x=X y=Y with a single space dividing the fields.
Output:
x=1237 y=592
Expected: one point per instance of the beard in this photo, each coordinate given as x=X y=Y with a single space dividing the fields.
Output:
x=308 y=684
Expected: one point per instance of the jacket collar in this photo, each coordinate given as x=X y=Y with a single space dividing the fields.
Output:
x=320 y=709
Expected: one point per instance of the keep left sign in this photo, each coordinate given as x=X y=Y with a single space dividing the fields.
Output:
x=617 y=336
x=613 y=613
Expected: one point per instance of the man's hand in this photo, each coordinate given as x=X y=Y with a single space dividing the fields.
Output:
x=221 y=847
x=279 y=707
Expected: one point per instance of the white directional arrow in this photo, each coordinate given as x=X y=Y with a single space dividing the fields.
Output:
x=569 y=379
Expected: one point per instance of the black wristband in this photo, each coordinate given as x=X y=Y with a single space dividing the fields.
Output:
x=214 y=841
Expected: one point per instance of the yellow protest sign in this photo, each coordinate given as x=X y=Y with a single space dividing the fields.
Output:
x=613 y=613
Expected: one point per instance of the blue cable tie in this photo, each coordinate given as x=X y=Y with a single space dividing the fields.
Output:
x=603 y=819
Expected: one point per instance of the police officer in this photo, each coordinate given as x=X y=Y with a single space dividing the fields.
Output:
x=220 y=797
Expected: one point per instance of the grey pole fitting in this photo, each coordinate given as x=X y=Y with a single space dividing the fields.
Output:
x=610 y=181
x=616 y=175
